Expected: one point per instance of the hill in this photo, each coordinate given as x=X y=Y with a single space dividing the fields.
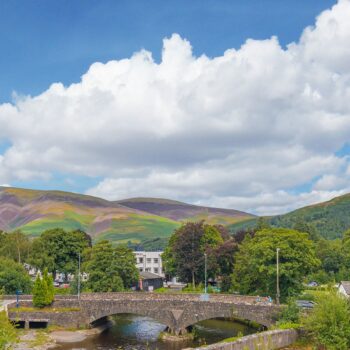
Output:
x=35 y=211
x=181 y=212
x=330 y=218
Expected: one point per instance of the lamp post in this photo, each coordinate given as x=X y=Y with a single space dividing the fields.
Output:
x=205 y=273
x=79 y=276
x=277 y=276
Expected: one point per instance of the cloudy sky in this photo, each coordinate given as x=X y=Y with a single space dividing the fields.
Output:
x=239 y=104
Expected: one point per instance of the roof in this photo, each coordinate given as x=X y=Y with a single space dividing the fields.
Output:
x=346 y=286
x=149 y=275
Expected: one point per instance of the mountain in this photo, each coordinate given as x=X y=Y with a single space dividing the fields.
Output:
x=330 y=218
x=181 y=212
x=34 y=211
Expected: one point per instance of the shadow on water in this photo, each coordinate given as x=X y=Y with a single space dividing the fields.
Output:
x=138 y=332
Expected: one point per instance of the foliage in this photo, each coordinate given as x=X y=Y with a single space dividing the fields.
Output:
x=329 y=322
x=15 y=245
x=8 y=334
x=255 y=268
x=290 y=313
x=101 y=265
x=184 y=255
x=50 y=295
x=39 y=292
x=13 y=277
x=58 y=250
x=125 y=265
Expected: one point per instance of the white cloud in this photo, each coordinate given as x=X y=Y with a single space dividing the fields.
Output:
x=242 y=130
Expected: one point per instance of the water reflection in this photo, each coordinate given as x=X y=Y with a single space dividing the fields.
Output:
x=138 y=332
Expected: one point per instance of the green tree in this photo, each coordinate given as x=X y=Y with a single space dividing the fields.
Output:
x=39 y=292
x=184 y=256
x=255 y=267
x=100 y=264
x=125 y=265
x=15 y=245
x=58 y=250
x=48 y=287
x=302 y=226
x=329 y=322
x=262 y=224
x=8 y=334
x=13 y=277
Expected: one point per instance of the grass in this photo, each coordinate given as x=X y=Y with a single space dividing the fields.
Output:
x=45 y=309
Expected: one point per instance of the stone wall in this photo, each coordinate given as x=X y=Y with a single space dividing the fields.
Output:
x=261 y=341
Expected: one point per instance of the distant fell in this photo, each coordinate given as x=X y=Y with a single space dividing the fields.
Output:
x=180 y=211
x=129 y=221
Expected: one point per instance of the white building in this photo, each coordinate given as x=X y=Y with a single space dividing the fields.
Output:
x=149 y=262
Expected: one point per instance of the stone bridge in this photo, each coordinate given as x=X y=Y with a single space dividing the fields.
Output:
x=176 y=311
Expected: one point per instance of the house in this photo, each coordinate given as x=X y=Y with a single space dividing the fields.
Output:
x=149 y=262
x=344 y=288
x=149 y=281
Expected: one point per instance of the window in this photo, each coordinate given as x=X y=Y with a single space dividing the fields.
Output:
x=148 y=269
x=149 y=260
x=155 y=270
x=141 y=260
x=155 y=260
x=140 y=269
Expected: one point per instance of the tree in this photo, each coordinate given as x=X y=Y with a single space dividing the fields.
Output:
x=302 y=226
x=8 y=334
x=58 y=250
x=39 y=292
x=184 y=255
x=50 y=289
x=100 y=264
x=13 y=277
x=15 y=245
x=125 y=265
x=329 y=322
x=255 y=267
x=262 y=224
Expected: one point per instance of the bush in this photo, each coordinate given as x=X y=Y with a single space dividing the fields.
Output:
x=329 y=322
x=8 y=334
x=290 y=314
x=43 y=290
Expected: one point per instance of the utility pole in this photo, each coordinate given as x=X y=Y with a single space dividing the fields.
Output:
x=205 y=273
x=79 y=277
x=277 y=276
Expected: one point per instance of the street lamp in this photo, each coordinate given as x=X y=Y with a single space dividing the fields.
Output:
x=277 y=277
x=205 y=273
x=79 y=276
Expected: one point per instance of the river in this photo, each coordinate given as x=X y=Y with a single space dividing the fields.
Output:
x=138 y=332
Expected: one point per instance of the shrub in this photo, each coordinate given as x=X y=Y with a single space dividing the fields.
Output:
x=8 y=334
x=329 y=322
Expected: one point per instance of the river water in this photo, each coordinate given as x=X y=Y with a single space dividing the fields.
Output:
x=138 y=332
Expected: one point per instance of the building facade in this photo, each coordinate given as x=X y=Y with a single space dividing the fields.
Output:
x=150 y=262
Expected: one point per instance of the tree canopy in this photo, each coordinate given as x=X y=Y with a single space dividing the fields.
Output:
x=13 y=277
x=255 y=262
x=58 y=250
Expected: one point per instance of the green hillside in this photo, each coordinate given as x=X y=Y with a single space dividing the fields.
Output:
x=330 y=218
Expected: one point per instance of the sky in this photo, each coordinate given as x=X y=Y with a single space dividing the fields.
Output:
x=236 y=104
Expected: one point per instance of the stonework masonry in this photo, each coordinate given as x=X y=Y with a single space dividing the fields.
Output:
x=176 y=311
x=261 y=341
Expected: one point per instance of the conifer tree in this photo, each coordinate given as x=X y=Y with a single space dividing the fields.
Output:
x=38 y=293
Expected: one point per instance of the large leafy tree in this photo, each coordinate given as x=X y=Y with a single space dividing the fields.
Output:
x=13 y=277
x=101 y=265
x=58 y=250
x=15 y=245
x=184 y=256
x=255 y=267
x=125 y=265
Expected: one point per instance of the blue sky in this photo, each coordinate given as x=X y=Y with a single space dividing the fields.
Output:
x=47 y=41
x=255 y=124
